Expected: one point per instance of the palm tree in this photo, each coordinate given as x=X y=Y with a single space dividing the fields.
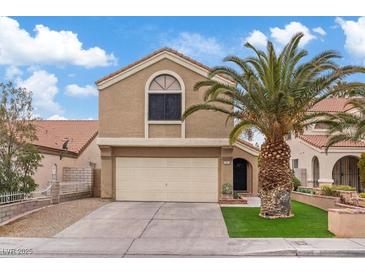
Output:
x=346 y=126
x=272 y=94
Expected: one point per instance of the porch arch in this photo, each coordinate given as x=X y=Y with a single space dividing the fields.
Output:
x=242 y=175
x=346 y=172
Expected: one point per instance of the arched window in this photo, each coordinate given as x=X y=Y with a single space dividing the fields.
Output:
x=164 y=99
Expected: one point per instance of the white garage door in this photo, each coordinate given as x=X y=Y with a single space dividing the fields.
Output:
x=167 y=179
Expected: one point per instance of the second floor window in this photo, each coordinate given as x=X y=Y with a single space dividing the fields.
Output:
x=164 y=99
x=164 y=107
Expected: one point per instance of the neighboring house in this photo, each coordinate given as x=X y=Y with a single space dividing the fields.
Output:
x=148 y=153
x=65 y=143
x=310 y=162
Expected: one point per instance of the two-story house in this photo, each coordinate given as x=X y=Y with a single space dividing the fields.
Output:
x=312 y=165
x=148 y=153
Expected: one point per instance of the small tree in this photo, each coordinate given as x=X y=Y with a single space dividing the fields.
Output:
x=361 y=165
x=19 y=159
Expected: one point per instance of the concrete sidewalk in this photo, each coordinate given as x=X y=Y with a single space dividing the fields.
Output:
x=178 y=247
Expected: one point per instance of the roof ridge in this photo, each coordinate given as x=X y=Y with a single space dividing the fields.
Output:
x=155 y=52
x=360 y=143
x=68 y=120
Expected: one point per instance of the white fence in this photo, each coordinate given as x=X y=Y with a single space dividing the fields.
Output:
x=65 y=188
x=13 y=197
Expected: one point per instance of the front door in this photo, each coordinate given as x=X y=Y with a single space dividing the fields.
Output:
x=239 y=174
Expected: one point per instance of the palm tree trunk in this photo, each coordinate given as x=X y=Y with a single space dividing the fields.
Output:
x=275 y=180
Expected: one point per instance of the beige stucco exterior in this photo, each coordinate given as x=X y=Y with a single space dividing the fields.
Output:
x=91 y=154
x=125 y=131
x=305 y=153
x=122 y=107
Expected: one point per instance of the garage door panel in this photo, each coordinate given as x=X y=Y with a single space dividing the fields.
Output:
x=191 y=197
x=167 y=179
x=151 y=196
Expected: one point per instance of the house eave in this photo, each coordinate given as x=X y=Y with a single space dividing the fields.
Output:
x=163 y=142
x=102 y=84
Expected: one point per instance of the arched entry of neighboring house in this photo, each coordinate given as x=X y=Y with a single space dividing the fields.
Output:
x=346 y=172
x=315 y=171
x=240 y=174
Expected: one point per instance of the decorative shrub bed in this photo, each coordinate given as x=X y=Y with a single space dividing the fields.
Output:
x=346 y=195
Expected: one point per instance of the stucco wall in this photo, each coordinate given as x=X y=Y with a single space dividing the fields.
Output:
x=122 y=106
x=44 y=173
x=323 y=202
x=347 y=222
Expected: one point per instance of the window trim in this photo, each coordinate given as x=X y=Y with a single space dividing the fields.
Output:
x=146 y=102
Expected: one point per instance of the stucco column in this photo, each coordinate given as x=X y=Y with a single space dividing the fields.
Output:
x=226 y=167
x=106 y=188
x=55 y=192
x=326 y=163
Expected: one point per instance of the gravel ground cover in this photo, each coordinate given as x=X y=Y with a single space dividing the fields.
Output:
x=50 y=220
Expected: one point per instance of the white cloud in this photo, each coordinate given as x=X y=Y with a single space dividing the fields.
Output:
x=76 y=90
x=257 y=39
x=43 y=86
x=57 y=117
x=12 y=72
x=197 y=46
x=320 y=31
x=355 y=36
x=47 y=46
x=283 y=36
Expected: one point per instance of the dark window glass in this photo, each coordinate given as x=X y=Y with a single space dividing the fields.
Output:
x=164 y=107
x=156 y=107
x=295 y=163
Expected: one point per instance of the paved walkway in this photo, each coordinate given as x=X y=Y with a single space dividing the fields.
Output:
x=166 y=229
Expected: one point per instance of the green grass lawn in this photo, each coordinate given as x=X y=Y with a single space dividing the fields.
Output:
x=308 y=222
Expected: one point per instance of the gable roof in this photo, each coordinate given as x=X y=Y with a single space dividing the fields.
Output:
x=320 y=141
x=246 y=143
x=156 y=56
x=52 y=134
x=332 y=105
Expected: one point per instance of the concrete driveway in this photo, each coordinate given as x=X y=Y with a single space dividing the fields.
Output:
x=150 y=220
x=146 y=229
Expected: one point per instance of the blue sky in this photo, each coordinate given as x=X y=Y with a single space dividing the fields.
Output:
x=60 y=58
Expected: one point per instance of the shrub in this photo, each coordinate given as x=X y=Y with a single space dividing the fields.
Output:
x=332 y=190
x=305 y=190
x=362 y=195
x=227 y=188
x=343 y=188
x=327 y=190
x=295 y=182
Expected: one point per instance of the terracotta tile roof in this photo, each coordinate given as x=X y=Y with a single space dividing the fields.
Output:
x=332 y=105
x=320 y=141
x=53 y=133
x=189 y=59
